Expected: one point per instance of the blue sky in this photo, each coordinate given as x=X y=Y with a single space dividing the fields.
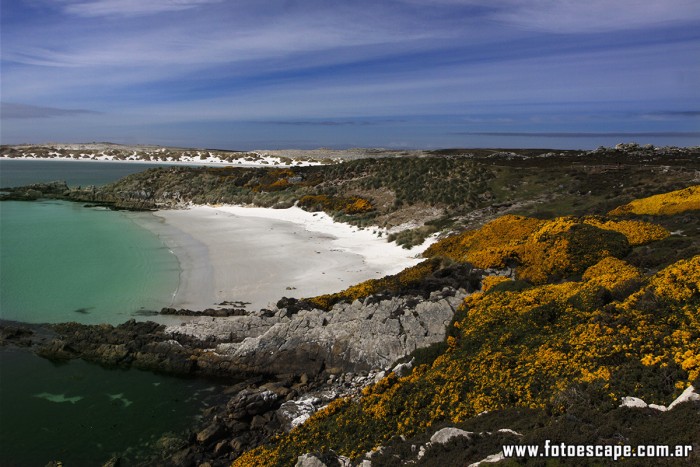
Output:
x=399 y=74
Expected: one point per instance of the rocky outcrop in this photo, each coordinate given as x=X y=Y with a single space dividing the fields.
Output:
x=351 y=337
x=142 y=345
x=24 y=335
x=57 y=189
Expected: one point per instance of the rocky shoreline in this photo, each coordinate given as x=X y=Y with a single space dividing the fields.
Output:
x=292 y=361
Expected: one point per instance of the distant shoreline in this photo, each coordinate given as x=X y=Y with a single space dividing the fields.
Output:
x=264 y=162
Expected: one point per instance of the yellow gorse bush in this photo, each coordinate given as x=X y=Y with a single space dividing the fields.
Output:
x=545 y=250
x=636 y=232
x=665 y=204
x=525 y=349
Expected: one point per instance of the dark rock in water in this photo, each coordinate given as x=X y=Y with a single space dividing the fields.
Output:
x=234 y=303
x=293 y=305
x=218 y=313
x=15 y=334
x=83 y=311
x=140 y=344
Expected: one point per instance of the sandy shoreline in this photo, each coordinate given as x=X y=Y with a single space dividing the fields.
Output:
x=264 y=161
x=258 y=255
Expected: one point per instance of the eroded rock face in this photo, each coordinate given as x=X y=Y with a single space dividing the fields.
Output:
x=352 y=337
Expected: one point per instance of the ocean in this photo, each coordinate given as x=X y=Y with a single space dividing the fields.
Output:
x=59 y=262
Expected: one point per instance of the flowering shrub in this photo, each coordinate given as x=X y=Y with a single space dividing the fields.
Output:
x=525 y=349
x=674 y=202
x=544 y=250
x=637 y=232
x=351 y=205
x=488 y=282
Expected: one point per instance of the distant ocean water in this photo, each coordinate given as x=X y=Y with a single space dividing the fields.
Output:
x=60 y=261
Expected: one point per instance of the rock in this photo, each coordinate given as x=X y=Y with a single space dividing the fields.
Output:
x=222 y=447
x=688 y=395
x=492 y=459
x=446 y=434
x=309 y=460
x=661 y=408
x=211 y=434
x=509 y=431
x=350 y=338
x=403 y=369
x=258 y=422
x=325 y=460
x=293 y=413
x=114 y=461
x=633 y=402
x=219 y=312
x=250 y=402
x=183 y=457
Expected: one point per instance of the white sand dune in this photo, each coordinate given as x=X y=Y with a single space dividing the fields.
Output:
x=258 y=255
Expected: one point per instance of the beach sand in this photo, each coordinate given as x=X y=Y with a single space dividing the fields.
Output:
x=258 y=255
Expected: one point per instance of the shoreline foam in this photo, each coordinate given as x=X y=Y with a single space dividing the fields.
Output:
x=259 y=255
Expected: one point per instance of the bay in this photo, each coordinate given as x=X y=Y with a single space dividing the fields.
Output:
x=60 y=261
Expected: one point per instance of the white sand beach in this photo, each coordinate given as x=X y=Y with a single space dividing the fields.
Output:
x=258 y=255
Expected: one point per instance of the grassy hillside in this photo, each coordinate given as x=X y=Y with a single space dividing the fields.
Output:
x=422 y=195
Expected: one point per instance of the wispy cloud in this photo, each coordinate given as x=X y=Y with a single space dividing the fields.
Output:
x=9 y=110
x=575 y=16
x=352 y=67
x=123 y=8
x=571 y=16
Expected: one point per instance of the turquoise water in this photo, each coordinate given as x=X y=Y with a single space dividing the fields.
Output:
x=60 y=261
x=81 y=414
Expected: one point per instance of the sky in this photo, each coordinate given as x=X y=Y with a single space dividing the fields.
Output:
x=275 y=74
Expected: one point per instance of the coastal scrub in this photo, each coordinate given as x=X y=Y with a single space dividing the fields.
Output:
x=664 y=204
x=527 y=349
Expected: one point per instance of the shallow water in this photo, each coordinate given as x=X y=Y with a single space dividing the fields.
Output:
x=82 y=414
x=60 y=261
